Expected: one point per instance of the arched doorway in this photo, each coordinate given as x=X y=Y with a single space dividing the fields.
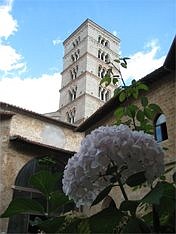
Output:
x=22 y=189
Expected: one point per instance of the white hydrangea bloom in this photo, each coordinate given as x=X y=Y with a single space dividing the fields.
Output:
x=85 y=174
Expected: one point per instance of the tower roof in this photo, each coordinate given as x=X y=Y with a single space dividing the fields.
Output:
x=95 y=25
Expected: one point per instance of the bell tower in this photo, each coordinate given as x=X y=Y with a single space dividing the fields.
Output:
x=86 y=52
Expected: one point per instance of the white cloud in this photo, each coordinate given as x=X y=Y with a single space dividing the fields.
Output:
x=57 y=41
x=8 y=25
x=143 y=62
x=39 y=94
x=10 y=60
x=114 y=33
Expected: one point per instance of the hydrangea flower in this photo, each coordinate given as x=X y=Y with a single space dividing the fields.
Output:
x=85 y=174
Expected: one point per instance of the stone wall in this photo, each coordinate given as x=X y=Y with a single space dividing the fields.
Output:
x=163 y=93
x=45 y=133
x=11 y=163
x=13 y=157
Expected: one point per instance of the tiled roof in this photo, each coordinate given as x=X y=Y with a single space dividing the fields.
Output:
x=5 y=107
x=18 y=138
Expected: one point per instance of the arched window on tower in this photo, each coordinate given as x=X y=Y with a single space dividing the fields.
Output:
x=107 y=95
x=71 y=115
x=103 y=72
x=102 y=56
x=106 y=58
x=99 y=71
x=161 y=128
x=107 y=43
x=72 y=93
x=99 y=53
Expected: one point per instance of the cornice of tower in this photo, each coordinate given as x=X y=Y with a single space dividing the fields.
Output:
x=73 y=103
x=80 y=77
x=85 y=23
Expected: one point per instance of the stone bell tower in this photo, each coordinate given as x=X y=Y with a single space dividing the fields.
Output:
x=86 y=52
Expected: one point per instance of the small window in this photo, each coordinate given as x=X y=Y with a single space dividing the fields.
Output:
x=161 y=128
x=99 y=54
x=107 y=44
x=107 y=95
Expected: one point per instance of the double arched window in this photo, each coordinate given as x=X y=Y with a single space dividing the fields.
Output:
x=160 y=128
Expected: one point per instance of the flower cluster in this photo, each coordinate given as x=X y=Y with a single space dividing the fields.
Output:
x=85 y=175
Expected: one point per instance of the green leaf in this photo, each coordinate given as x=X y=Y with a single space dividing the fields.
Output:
x=114 y=81
x=106 y=79
x=125 y=58
x=119 y=112
x=154 y=196
x=155 y=107
x=133 y=82
x=21 y=205
x=105 y=221
x=148 y=113
x=136 y=225
x=58 y=199
x=51 y=225
x=44 y=181
x=117 y=60
x=83 y=227
x=102 y=195
x=135 y=93
x=122 y=96
x=142 y=86
x=130 y=205
x=140 y=116
x=131 y=110
x=136 y=179
x=117 y=91
x=144 y=101
x=124 y=65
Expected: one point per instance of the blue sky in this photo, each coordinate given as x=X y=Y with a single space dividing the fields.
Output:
x=32 y=32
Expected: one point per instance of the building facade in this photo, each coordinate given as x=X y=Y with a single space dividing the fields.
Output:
x=86 y=53
x=25 y=135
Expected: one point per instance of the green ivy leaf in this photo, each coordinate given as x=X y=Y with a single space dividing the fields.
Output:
x=102 y=195
x=154 y=107
x=131 y=110
x=57 y=200
x=106 y=79
x=119 y=112
x=22 y=205
x=105 y=221
x=136 y=225
x=44 y=181
x=124 y=65
x=154 y=196
x=136 y=179
x=122 y=96
x=83 y=227
x=130 y=205
x=51 y=225
x=144 y=101
x=114 y=81
x=140 y=116
x=148 y=113
x=117 y=60
x=141 y=86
